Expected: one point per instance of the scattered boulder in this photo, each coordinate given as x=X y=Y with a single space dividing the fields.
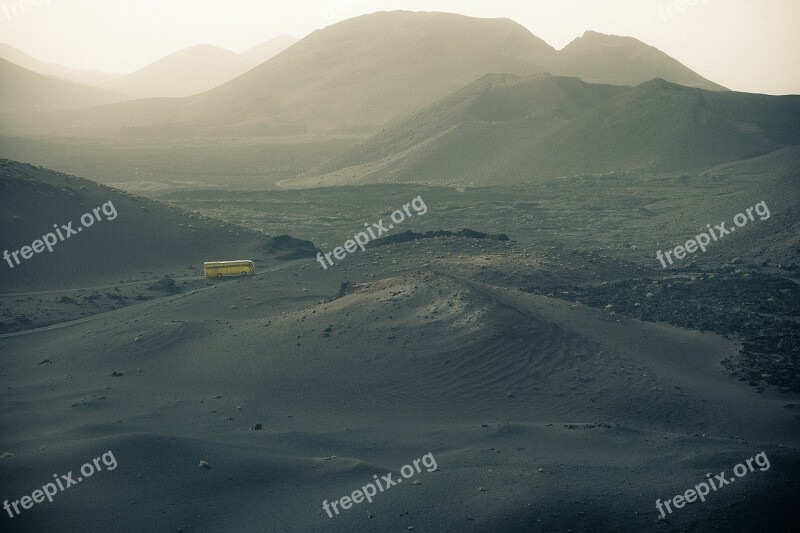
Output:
x=408 y=236
x=166 y=284
x=290 y=247
x=345 y=288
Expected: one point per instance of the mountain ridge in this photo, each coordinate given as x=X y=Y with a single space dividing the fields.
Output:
x=589 y=57
x=95 y=78
x=505 y=128
x=24 y=89
x=186 y=72
x=352 y=78
x=268 y=49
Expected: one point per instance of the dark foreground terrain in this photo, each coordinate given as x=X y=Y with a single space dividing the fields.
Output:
x=561 y=379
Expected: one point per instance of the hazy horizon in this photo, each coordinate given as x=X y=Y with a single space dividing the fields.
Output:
x=737 y=44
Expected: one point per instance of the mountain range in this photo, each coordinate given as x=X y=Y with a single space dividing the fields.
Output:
x=183 y=73
x=504 y=128
x=404 y=97
x=24 y=90
x=196 y=69
x=367 y=73
x=82 y=77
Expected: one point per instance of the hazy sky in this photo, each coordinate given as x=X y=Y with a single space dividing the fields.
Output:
x=746 y=45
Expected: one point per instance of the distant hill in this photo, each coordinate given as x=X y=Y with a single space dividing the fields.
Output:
x=504 y=128
x=364 y=73
x=23 y=89
x=82 y=77
x=184 y=73
x=599 y=58
x=145 y=236
x=352 y=78
x=269 y=49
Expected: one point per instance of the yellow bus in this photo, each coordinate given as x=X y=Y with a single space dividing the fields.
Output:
x=217 y=269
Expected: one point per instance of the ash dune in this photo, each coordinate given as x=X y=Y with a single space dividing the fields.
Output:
x=497 y=384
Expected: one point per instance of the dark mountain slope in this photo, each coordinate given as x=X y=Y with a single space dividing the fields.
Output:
x=144 y=236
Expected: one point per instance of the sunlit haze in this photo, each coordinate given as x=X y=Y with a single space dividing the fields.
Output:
x=741 y=44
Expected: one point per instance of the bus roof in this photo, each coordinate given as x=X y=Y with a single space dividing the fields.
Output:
x=222 y=263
